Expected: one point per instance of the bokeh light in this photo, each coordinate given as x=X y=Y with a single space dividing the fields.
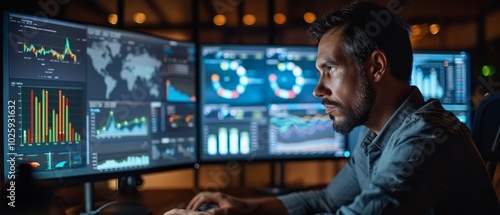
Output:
x=279 y=18
x=113 y=18
x=139 y=18
x=309 y=17
x=219 y=20
x=249 y=19
x=416 y=30
x=434 y=29
x=488 y=70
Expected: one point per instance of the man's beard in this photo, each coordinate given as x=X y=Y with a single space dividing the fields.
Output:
x=357 y=115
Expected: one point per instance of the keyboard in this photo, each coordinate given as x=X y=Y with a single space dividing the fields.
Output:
x=207 y=206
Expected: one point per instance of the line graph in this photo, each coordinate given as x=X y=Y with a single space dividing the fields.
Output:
x=300 y=126
x=42 y=51
x=302 y=131
x=116 y=120
x=55 y=51
x=113 y=128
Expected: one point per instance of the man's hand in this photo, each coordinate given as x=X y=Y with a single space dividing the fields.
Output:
x=231 y=205
x=227 y=204
x=185 y=212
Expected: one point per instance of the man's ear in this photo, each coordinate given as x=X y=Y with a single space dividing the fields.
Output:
x=377 y=66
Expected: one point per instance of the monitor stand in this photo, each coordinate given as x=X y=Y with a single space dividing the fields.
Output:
x=108 y=208
x=280 y=188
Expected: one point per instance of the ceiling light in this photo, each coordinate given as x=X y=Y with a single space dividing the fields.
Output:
x=279 y=18
x=139 y=18
x=416 y=30
x=249 y=19
x=113 y=18
x=309 y=17
x=434 y=29
x=219 y=20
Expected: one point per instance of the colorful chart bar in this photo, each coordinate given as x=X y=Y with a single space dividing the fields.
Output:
x=61 y=129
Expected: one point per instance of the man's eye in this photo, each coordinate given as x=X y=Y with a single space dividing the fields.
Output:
x=331 y=69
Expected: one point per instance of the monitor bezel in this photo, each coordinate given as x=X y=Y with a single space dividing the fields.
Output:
x=267 y=158
x=97 y=176
x=468 y=66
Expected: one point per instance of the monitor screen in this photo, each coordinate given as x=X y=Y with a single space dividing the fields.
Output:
x=444 y=76
x=257 y=104
x=439 y=75
x=88 y=102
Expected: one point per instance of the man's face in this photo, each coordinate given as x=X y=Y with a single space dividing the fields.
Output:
x=347 y=95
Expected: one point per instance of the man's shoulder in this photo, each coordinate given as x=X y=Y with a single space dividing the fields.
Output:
x=433 y=114
x=431 y=121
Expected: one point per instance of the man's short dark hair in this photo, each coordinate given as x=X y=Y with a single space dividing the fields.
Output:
x=367 y=27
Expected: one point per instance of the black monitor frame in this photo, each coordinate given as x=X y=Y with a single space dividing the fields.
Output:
x=255 y=159
x=467 y=73
x=88 y=177
x=356 y=135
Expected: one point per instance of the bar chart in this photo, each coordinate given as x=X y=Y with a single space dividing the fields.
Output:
x=109 y=162
x=55 y=115
x=229 y=141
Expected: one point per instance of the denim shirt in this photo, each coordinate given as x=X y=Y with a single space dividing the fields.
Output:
x=423 y=161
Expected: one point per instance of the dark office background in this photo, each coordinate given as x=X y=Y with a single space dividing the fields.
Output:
x=472 y=26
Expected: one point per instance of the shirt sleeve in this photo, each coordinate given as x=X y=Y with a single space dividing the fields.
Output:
x=341 y=191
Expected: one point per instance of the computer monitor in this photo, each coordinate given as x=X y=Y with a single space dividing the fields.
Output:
x=257 y=105
x=84 y=103
x=442 y=75
x=445 y=76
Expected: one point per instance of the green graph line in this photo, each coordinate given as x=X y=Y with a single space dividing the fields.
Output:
x=54 y=53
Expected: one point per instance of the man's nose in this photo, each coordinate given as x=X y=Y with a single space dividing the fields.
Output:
x=321 y=90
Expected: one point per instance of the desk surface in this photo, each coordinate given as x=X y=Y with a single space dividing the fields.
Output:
x=159 y=201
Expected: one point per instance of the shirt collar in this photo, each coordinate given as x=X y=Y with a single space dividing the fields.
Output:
x=373 y=141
